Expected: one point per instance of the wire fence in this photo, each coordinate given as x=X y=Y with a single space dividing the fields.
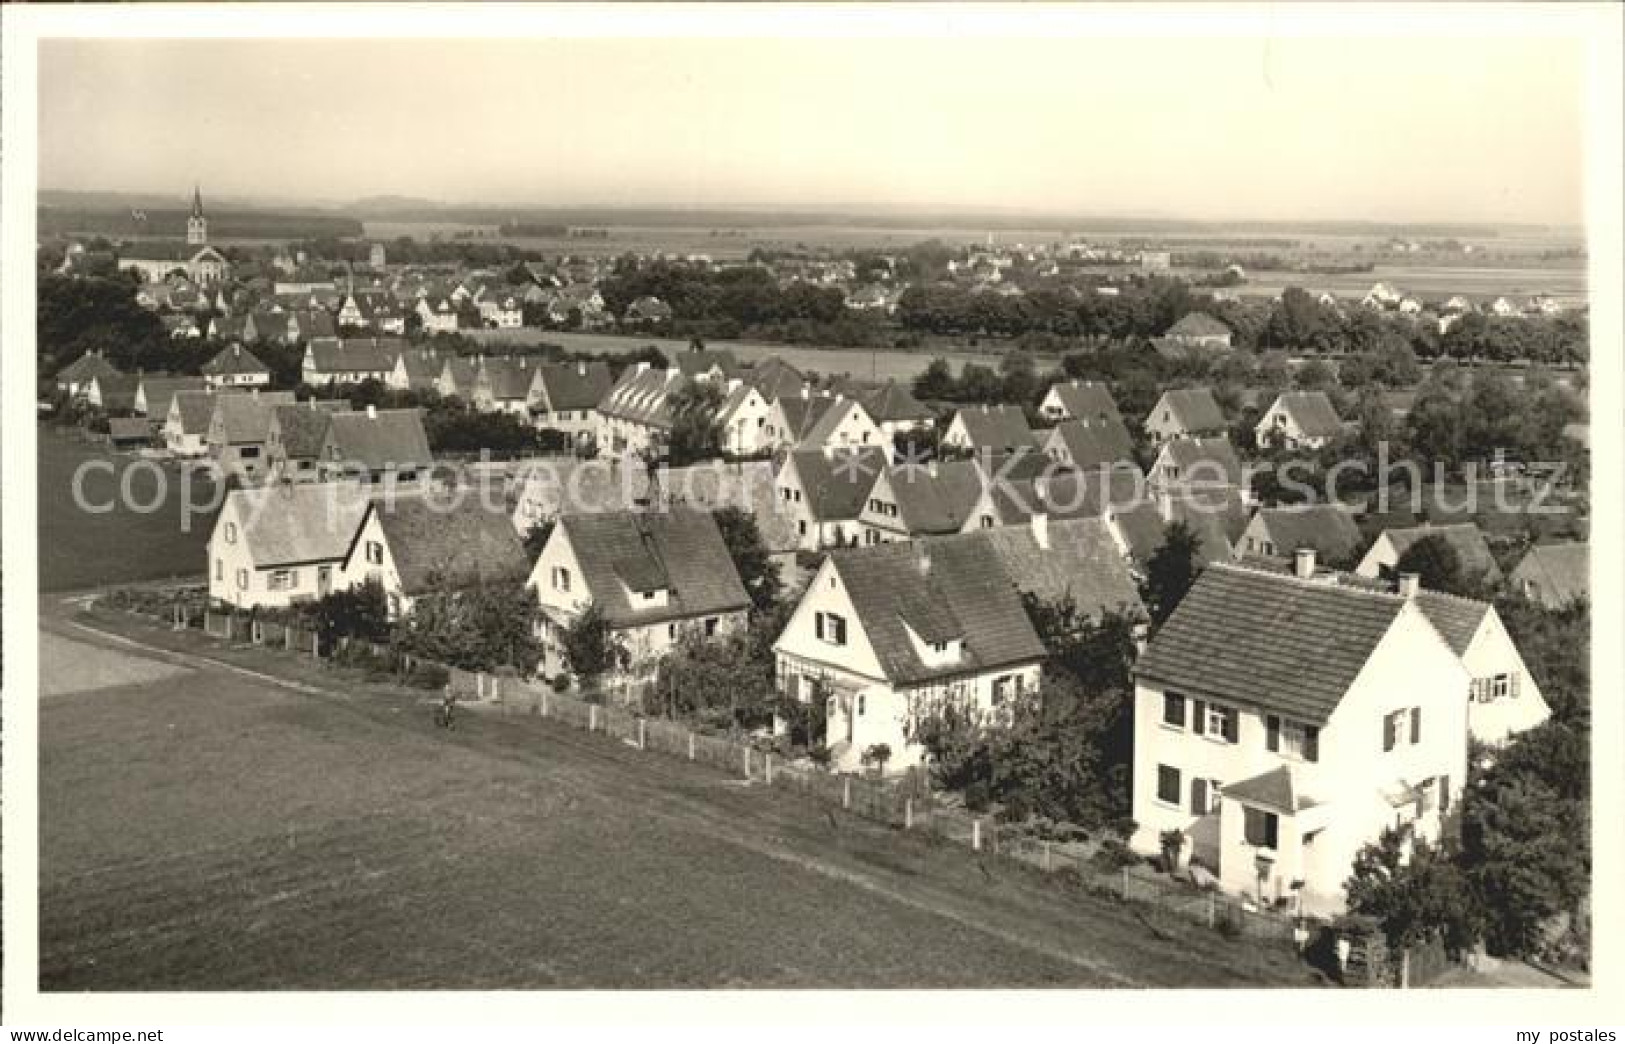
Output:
x=904 y=804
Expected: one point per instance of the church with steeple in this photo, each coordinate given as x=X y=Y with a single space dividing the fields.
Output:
x=157 y=260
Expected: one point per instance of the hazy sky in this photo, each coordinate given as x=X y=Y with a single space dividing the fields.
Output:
x=1387 y=129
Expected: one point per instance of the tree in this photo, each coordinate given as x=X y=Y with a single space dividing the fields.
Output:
x=757 y=570
x=1437 y=566
x=1171 y=570
x=1415 y=891
x=360 y=612
x=592 y=649
x=476 y=627
x=722 y=682
x=695 y=434
x=936 y=383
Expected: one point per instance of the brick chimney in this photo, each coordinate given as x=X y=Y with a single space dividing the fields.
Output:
x=1303 y=563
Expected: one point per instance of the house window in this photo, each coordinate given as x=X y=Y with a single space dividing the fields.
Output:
x=231 y=532
x=801 y=527
x=220 y=569
x=1393 y=726
x=1262 y=828
x=671 y=631
x=1211 y=719
x=1204 y=796
x=242 y=579
x=862 y=704
x=1416 y=725
x=281 y=580
x=987 y=521
x=648 y=596
x=1173 y=709
x=375 y=552
x=1168 y=787
x=1501 y=687
x=249 y=452
x=1006 y=686
x=830 y=627
x=710 y=626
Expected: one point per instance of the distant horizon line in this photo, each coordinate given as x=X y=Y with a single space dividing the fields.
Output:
x=1004 y=212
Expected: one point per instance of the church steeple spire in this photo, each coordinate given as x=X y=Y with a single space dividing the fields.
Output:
x=197 y=226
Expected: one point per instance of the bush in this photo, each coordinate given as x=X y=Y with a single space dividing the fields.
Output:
x=1112 y=856
x=976 y=796
x=561 y=681
x=429 y=676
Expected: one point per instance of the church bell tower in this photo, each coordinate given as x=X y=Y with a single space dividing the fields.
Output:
x=197 y=226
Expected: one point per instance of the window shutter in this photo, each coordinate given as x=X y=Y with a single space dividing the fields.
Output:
x=1232 y=727
x=1272 y=830
x=1198 y=797
x=1311 y=743
x=1416 y=724
x=1387 y=732
x=1517 y=678
x=1272 y=732
x=818 y=626
x=1199 y=717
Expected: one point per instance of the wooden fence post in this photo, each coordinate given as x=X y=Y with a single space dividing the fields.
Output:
x=592 y=717
x=908 y=813
x=976 y=835
x=846 y=792
x=767 y=767
x=691 y=746
x=643 y=734
x=316 y=644
x=544 y=703
x=1125 y=883
x=287 y=638
x=1405 y=968
x=1046 y=855
x=747 y=762
x=1212 y=910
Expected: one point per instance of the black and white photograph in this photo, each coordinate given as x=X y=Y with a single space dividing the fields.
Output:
x=524 y=502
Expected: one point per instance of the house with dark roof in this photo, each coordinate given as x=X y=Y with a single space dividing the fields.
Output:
x=821 y=421
x=412 y=546
x=893 y=408
x=565 y=397
x=236 y=367
x=331 y=360
x=1089 y=444
x=774 y=378
x=1465 y=539
x=416 y=369
x=129 y=433
x=1184 y=464
x=908 y=501
x=996 y=429
x=113 y=393
x=742 y=419
x=155 y=394
x=1282 y=722
x=293 y=444
x=1295 y=420
x=375 y=446
x=75 y=377
x=238 y=429
x=1185 y=413
x=824 y=492
x=1280 y=532
x=505 y=384
x=1215 y=518
x=1078 y=400
x=635 y=415
x=1198 y=330
x=1554 y=575
x=457 y=376
x=185 y=428
x=890 y=634
x=658 y=577
x=281 y=543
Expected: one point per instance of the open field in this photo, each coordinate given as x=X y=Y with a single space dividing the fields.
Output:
x=79 y=549
x=216 y=831
x=904 y=366
x=1565 y=283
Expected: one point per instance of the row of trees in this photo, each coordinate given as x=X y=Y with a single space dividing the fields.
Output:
x=746 y=295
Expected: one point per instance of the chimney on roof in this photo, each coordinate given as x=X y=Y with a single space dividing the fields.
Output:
x=806 y=390
x=642 y=367
x=372 y=412
x=581 y=367
x=931 y=468
x=1303 y=563
x=1409 y=584
x=922 y=559
x=1040 y=524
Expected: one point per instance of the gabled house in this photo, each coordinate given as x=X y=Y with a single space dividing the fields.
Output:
x=894 y=409
x=1185 y=464
x=824 y=492
x=185 y=428
x=412 y=546
x=998 y=429
x=457 y=376
x=293 y=444
x=238 y=429
x=75 y=377
x=1299 y=419
x=635 y=416
x=1465 y=539
x=1198 y=330
x=236 y=367
x=375 y=446
x=1185 y=413
x=153 y=395
x=1078 y=400
x=504 y=385
x=891 y=634
x=115 y=394
x=909 y=501
x=330 y=360
x=1553 y=575
x=1504 y=697
x=706 y=364
x=1282 y=722
x=836 y=421
x=1280 y=532
x=1090 y=444
x=775 y=378
x=281 y=543
x=565 y=397
x=438 y=315
x=658 y=577
x=416 y=369
x=742 y=418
